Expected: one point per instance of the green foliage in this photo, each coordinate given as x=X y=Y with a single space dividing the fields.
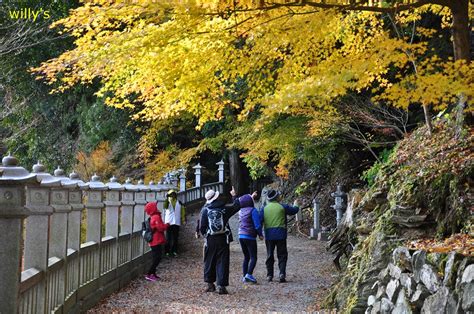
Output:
x=370 y=174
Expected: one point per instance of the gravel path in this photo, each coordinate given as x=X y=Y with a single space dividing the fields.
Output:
x=309 y=275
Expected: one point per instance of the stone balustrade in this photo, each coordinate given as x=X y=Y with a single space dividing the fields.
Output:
x=45 y=265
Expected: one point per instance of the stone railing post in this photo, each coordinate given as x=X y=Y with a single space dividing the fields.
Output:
x=12 y=213
x=94 y=205
x=36 y=254
x=59 y=229
x=182 y=182
x=75 y=216
x=174 y=179
x=74 y=241
x=94 y=208
x=139 y=211
x=126 y=227
x=151 y=196
x=128 y=203
x=220 y=169
x=197 y=174
x=112 y=204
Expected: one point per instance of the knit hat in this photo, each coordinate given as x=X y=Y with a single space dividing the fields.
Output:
x=211 y=196
x=272 y=194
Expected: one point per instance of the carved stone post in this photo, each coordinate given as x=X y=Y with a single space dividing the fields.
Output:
x=197 y=173
x=12 y=213
x=139 y=214
x=37 y=238
x=112 y=204
x=94 y=207
x=182 y=182
x=128 y=203
x=126 y=227
x=220 y=169
x=74 y=240
x=174 y=179
x=75 y=216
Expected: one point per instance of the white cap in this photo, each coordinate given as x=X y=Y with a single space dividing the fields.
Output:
x=211 y=196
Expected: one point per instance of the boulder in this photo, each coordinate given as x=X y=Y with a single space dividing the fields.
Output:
x=371 y=300
x=429 y=278
x=448 y=270
x=386 y=306
x=375 y=308
x=419 y=296
x=468 y=274
x=392 y=289
x=438 y=302
x=417 y=261
x=401 y=258
x=468 y=297
x=394 y=271
x=401 y=305
x=384 y=276
x=460 y=273
x=380 y=292
x=408 y=283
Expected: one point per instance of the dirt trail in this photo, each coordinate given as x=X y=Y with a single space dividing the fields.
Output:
x=309 y=274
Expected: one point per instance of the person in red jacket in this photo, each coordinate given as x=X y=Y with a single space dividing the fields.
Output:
x=159 y=228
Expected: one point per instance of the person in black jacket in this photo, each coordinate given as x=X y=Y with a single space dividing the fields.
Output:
x=214 y=226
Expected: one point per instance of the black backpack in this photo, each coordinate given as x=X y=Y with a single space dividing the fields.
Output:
x=215 y=217
x=147 y=232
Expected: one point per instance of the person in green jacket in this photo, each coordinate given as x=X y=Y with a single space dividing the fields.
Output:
x=275 y=226
x=175 y=216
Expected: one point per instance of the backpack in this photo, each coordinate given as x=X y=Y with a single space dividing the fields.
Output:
x=147 y=232
x=215 y=218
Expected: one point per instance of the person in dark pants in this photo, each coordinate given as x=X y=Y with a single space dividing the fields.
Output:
x=214 y=226
x=156 y=244
x=175 y=216
x=275 y=223
x=249 y=227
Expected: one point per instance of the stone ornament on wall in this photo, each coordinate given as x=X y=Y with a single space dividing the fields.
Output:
x=9 y=196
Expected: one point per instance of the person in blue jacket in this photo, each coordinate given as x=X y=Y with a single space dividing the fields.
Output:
x=275 y=225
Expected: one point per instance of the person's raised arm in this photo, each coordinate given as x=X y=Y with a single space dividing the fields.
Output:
x=290 y=210
x=235 y=207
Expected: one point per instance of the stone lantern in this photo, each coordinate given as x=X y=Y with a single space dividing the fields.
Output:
x=338 y=203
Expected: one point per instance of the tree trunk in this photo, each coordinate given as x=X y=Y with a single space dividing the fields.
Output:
x=461 y=35
x=426 y=111
x=461 y=47
x=237 y=172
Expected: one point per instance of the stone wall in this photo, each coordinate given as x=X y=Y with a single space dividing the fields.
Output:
x=422 y=282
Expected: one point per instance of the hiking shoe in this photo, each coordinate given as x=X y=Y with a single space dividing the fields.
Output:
x=243 y=279
x=269 y=278
x=210 y=287
x=282 y=279
x=151 y=277
x=222 y=290
x=175 y=254
x=167 y=255
x=250 y=278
